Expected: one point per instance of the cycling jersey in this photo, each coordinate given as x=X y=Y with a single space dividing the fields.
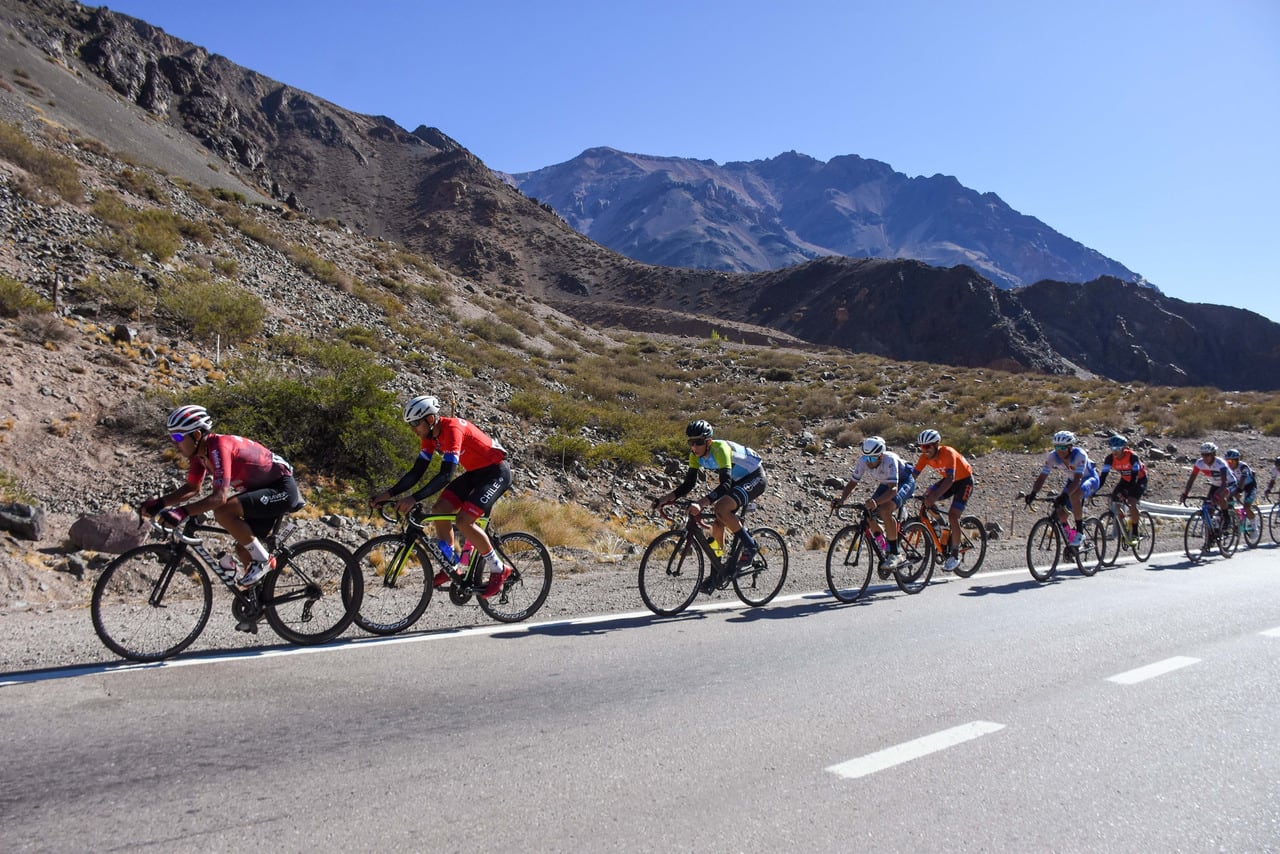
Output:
x=1077 y=462
x=236 y=463
x=948 y=460
x=462 y=443
x=1244 y=477
x=1126 y=464
x=1217 y=472
x=889 y=472
x=723 y=454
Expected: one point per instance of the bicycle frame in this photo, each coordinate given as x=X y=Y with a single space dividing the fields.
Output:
x=468 y=577
x=696 y=528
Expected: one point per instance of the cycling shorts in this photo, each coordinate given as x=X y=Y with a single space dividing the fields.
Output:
x=473 y=493
x=959 y=493
x=1249 y=496
x=743 y=491
x=1133 y=489
x=261 y=507
x=1088 y=487
x=905 y=490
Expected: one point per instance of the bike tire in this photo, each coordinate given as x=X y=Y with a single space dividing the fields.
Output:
x=1114 y=535
x=1195 y=539
x=1044 y=549
x=973 y=546
x=915 y=548
x=314 y=593
x=758 y=583
x=1091 y=555
x=849 y=564
x=393 y=601
x=1228 y=532
x=1251 y=539
x=1146 y=537
x=151 y=603
x=671 y=572
x=525 y=591
x=1273 y=522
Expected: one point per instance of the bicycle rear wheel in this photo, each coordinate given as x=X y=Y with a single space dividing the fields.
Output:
x=314 y=594
x=1251 y=539
x=758 y=583
x=397 y=583
x=670 y=573
x=1146 y=537
x=915 y=548
x=1114 y=539
x=973 y=546
x=849 y=564
x=524 y=592
x=151 y=603
x=1044 y=549
x=1091 y=553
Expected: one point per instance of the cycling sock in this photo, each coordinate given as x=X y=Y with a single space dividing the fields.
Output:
x=492 y=559
x=256 y=551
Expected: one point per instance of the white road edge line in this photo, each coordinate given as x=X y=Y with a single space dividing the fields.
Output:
x=914 y=749
x=1271 y=633
x=1159 y=668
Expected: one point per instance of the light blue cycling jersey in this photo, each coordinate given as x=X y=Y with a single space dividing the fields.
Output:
x=721 y=453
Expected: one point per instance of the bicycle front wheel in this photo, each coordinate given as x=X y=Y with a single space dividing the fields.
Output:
x=314 y=594
x=915 y=548
x=1044 y=549
x=1145 y=535
x=151 y=603
x=523 y=593
x=973 y=546
x=397 y=578
x=758 y=583
x=670 y=573
x=849 y=564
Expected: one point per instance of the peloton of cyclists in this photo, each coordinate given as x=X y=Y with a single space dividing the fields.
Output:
x=956 y=483
x=895 y=484
x=1246 y=488
x=1222 y=480
x=1081 y=484
x=1133 y=479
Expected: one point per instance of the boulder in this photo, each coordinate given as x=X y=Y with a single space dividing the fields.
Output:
x=114 y=532
x=22 y=520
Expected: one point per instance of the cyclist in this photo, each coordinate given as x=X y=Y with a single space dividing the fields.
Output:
x=251 y=488
x=956 y=483
x=1246 y=488
x=1133 y=480
x=1080 y=486
x=472 y=494
x=1275 y=473
x=896 y=482
x=742 y=480
x=1222 y=480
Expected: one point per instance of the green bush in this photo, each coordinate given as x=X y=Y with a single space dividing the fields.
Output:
x=16 y=298
x=53 y=172
x=121 y=292
x=210 y=308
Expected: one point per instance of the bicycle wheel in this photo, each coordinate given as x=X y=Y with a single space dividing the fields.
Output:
x=1091 y=553
x=397 y=578
x=758 y=583
x=1113 y=539
x=849 y=564
x=1146 y=537
x=1195 y=538
x=314 y=592
x=670 y=572
x=973 y=546
x=1044 y=549
x=915 y=548
x=1228 y=531
x=524 y=592
x=151 y=603
x=1251 y=538
x=1273 y=522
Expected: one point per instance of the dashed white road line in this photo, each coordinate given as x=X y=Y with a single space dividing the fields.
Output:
x=1271 y=633
x=914 y=749
x=1159 y=668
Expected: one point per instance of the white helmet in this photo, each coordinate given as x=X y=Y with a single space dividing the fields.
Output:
x=1064 y=437
x=187 y=419
x=1208 y=448
x=420 y=407
x=873 y=446
x=928 y=437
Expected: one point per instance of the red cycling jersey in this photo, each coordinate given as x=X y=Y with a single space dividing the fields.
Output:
x=465 y=444
x=238 y=463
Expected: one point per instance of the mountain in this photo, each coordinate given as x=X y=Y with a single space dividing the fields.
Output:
x=174 y=106
x=769 y=214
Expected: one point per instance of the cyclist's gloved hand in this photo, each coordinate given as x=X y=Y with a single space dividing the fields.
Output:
x=174 y=516
x=1183 y=498
x=1030 y=499
x=836 y=502
x=152 y=505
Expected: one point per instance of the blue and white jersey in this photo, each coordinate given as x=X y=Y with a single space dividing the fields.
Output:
x=888 y=472
x=1077 y=462
x=722 y=454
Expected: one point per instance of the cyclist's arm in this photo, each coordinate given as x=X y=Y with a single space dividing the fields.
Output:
x=1186 y=490
x=179 y=495
x=448 y=463
x=690 y=478
x=420 y=466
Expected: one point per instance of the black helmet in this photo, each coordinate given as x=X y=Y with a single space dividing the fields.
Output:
x=699 y=430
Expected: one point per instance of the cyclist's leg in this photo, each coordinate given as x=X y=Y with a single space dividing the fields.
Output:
x=250 y=516
x=960 y=493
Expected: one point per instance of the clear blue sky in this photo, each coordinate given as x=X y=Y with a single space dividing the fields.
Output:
x=1145 y=129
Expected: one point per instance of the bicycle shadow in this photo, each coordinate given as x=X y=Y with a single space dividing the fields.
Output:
x=1018 y=586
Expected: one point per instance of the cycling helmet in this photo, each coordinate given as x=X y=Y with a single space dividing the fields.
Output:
x=1117 y=442
x=1208 y=448
x=928 y=437
x=188 y=419
x=420 y=407
x=699 y=430
x=873 y=446
x=1232 y=454
x=1064 y=437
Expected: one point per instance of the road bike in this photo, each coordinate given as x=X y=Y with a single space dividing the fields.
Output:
x=153 y=601
x=673 y=570
x=1047 y=543
x=399 y=570
x=855 y=554
x=972 y=548
x=1249 y=531
x=1115 y=525
x=1211 y=527
x=1273 y=521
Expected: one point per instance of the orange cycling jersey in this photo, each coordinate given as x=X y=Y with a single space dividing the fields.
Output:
x=947 y=458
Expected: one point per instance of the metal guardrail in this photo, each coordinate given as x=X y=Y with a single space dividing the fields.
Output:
x=1177 y=511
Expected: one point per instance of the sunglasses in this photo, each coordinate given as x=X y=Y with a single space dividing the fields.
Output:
x=870 y=458
x=1062 y=447
x=178 y=437
x=694 y=443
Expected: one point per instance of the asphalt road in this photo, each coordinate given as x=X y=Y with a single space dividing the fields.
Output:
x=1135 y=710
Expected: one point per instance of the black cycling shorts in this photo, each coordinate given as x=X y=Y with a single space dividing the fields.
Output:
x=475 y=492
x=1130 y=488
x=261 y=507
